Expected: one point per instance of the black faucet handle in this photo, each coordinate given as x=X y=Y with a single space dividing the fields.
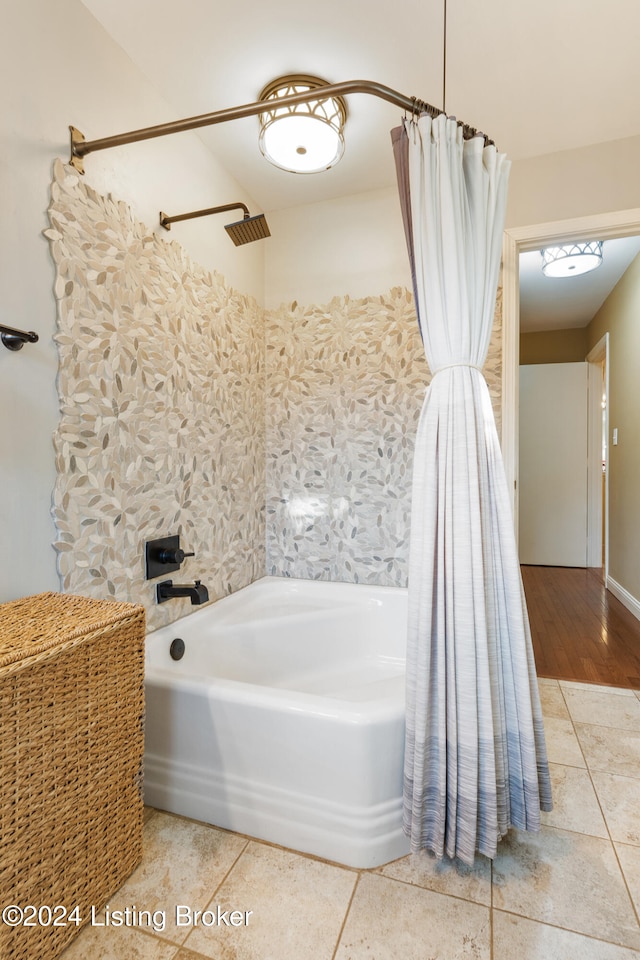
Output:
x=163 y=555
x=173 y=555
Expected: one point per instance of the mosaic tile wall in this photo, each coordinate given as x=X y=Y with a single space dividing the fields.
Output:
x=161 y=389
x=162 y=418
x=345 y=384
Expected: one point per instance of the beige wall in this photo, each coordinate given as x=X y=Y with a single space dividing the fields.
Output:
x=620 y=317
x=353 y=247
x=575 y=183
x=553 y=346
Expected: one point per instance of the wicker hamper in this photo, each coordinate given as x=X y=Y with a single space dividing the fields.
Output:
x=71 y=748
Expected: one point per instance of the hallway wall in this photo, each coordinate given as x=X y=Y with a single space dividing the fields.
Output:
x=619 y=316
x=553 y=346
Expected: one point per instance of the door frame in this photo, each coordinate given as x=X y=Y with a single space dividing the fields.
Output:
x=597 y=425
x=517 y=240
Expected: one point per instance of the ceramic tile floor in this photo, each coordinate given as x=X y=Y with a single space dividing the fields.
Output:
x=571 y=892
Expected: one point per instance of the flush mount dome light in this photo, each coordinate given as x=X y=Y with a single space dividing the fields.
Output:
x=572 y=259
x=304 y=137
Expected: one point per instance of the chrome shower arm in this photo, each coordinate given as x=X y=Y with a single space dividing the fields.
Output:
x=81 y=147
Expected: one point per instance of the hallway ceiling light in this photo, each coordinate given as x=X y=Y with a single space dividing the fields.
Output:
x=304 y=137
x=572 y=259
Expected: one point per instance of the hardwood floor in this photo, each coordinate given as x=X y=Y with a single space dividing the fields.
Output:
x=579 y=630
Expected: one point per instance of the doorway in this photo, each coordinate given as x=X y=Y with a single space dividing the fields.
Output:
x=598 y=456
x=563 y=453
x=613 y=630
x=516 y=241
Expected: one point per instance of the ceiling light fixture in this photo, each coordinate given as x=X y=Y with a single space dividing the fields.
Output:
x=303 y=137
x=572 y=259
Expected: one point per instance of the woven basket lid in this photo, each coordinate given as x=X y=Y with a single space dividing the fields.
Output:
x=33 y=625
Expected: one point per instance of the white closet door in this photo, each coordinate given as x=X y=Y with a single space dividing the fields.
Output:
x=553 y=464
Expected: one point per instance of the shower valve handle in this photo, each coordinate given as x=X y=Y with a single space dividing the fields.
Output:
x=173 y=555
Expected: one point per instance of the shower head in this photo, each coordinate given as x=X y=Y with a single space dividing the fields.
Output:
x=248 y=229
x=244 y=231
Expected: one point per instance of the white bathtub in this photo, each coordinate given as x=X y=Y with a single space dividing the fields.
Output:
x=284 y=720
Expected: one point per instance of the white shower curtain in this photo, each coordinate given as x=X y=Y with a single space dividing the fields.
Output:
x=475 y=757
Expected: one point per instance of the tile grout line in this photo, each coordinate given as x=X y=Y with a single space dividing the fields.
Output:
x=491 y=930
x=636 y=912
x=150 y=934
x=217 y=887
x=279 y=846
x=194 y=953
x=577 y=933
x=606 y=823
x=224 y=879
x=346 y=915
x=375 y=871
x=158 y=936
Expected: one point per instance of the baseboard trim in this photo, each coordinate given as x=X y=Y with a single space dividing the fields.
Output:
x=630 y=602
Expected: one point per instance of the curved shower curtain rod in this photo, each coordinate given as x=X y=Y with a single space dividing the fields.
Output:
x=81 y=147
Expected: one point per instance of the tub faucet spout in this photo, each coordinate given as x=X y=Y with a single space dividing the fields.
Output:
x=168 y=589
